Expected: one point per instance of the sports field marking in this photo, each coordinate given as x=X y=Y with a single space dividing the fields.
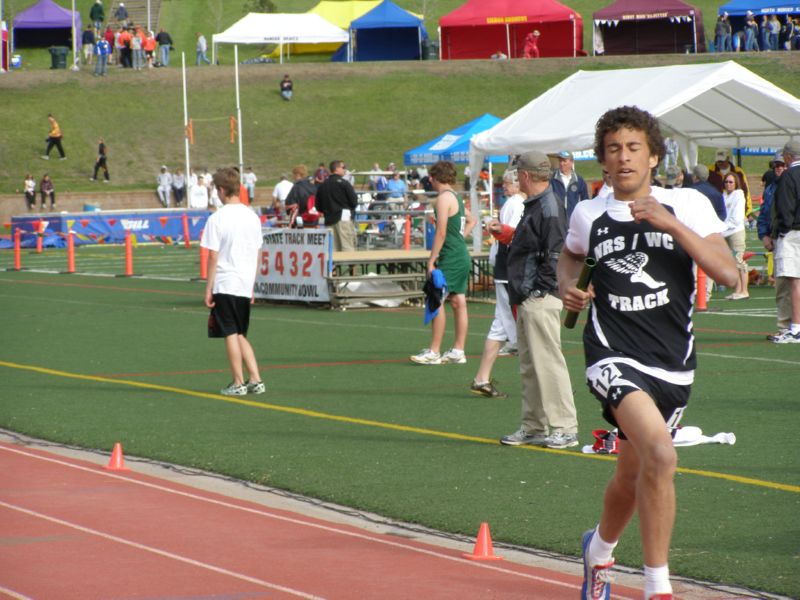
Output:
x=370 y=423
x=163 y=553
x=13 y=594
x=295 y=521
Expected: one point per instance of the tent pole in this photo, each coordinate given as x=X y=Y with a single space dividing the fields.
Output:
x=186 y=130
x=574 y=37
x=694 y=32
x=491 y=190
x=75 y=59
x=238 y=111
x=508 y=42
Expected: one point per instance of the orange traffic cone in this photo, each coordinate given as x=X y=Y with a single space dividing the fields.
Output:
x=117 y=462
x=483 y=546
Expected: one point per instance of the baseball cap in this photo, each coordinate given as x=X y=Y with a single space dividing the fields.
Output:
x=533 y=161
x=565 y=154
x=701 y=172
x=778 y=158
x=672 y=173
x=721 y=154
x=792 y=147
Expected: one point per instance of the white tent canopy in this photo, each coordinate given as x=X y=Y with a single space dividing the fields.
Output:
x=280 y=28
x=719 y=105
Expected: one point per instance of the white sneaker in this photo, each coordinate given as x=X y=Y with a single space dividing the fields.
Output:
x=427 y=357
x=786 y=337
x=508 y=350
x=454 y=357
x=234 y=390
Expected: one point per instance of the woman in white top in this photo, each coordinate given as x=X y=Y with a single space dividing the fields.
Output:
x=30 y=191
x=734 y=232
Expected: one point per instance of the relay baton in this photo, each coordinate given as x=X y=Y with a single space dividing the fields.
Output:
x=583 y=283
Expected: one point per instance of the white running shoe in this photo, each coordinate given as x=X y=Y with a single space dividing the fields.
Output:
x=454 y=357
x=427 y=357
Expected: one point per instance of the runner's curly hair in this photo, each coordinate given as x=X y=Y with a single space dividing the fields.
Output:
x=629 y=117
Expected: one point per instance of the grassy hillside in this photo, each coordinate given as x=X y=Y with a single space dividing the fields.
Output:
x=362 y=112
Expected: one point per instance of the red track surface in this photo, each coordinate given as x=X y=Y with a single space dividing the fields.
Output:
x=71 y=529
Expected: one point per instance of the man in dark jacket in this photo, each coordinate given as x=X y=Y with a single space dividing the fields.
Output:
x=97 y=15
x=786 y=236
x=337 y=201
x=701 y=184
x=548 y=408
x=568 y=186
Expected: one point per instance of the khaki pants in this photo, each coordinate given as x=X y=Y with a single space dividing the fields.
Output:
x=344 y=236
x=547 y=402
x=783 y=300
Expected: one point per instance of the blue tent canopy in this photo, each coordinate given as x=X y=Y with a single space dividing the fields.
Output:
x=738 y=8
x=453 y=145
x=387 y=32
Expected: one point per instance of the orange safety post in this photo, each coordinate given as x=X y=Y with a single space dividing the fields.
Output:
x=128 y=255
x=17 y=249
x=70 y=253
x=407 y=234
x=702 y=281
x=187 y=240
x=203 y=263
x=39 y=239
x=233 y=129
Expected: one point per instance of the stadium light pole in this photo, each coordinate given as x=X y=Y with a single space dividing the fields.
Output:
x=238 y=111
x=188 y=177
x=149 y=28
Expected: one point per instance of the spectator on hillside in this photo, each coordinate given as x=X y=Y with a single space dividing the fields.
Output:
x=719 y=33
x=502 y=337
x=750 y=33
x=97 y=15
x=137 y=49
x=764 y=33
x=723 y=166
x=164 y=45
x=499 y=55
x=701 y=184
x=102 y=51
x=337 y=201
x=54 y=138
x=200 y=50
x=164 y=189
x=87 y=40
x=29 y=188
x=765 y=234
x=179 y=186
x=108 y=36
x=101 y=162
x=728 y=34
x=149 y=47
x=47 y=190
x=287 y=87
x=569 y=187
x=734 y=233
x=124 y=45
x=121 y=15
x=774 y=27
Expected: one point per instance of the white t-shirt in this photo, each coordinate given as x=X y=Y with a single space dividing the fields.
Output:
x=250 y=178
x=234 y=232
x=510 y=214
x=691 y=208
x=282 y=189
x=735 y=204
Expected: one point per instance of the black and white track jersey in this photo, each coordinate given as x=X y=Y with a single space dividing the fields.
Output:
x=643 y=282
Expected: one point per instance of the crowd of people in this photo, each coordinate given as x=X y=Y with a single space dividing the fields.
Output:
x=766 y=34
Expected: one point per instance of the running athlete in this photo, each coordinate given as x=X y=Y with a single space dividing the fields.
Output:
x=638 y=341
x=449 y=254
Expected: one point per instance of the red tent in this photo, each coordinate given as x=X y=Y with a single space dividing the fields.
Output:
x=480 y=28
x=636 y=27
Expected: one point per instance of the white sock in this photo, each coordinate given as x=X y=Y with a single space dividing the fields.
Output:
x=794 y=328
x=656 y=581
x=599 y=552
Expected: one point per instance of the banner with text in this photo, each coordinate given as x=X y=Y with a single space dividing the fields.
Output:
x=294 y=265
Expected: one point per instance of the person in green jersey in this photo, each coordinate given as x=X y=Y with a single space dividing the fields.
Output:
x=449 y=254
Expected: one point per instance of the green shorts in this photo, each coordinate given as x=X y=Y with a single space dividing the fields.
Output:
x=456 y=272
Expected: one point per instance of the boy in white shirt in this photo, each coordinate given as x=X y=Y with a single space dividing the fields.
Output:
x=233 y=238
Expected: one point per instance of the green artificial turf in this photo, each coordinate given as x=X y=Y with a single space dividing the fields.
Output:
x=93 y=360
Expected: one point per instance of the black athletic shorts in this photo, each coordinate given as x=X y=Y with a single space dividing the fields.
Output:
x=611 y=381
x=230 y=316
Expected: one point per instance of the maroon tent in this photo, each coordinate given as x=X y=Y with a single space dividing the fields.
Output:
x=639 y=27
x=480 y=28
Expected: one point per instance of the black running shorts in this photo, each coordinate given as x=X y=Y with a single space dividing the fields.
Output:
x=611 y=381
x=230 y=316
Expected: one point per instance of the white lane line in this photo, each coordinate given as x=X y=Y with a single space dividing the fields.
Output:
x=13 y=594
x=327 y=528
x=170 y=555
